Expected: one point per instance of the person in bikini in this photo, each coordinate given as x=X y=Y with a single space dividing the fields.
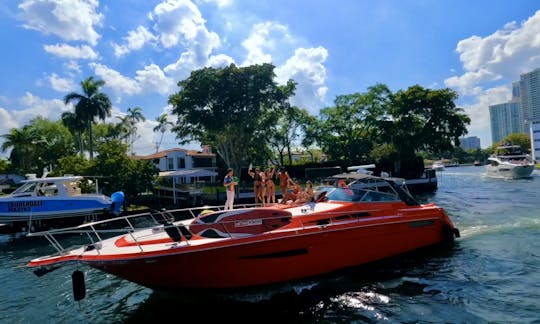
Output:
x=270 y=193
x=306 y=195
x=283 y=181
x=258 y=184
x=291 y=195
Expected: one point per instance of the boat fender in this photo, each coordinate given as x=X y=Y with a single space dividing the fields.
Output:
x=79 y=288
x=117 y=202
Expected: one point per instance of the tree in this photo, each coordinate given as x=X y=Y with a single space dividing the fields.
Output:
x=76 y=126
x=51 y=141
x=348 y=130
x=162 y=126
x=134 y=116
x=22 y=149
x=4 y=166
x=423 y=120
x=122 y=173
x=291 y=124
x=230 y=108
x=89 y=105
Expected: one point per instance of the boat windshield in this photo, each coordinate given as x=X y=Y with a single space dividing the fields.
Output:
x=356 y=194
x=26 y=189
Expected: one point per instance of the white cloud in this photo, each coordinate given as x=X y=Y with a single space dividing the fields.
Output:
x=220 y=3
x=61 y=84
x=71 y=52
x=179 y=22
x=478 y=111
x=306 y=67
x=71 y=20
x=504 y=54
x=116 y=81
x=135 y=40
x=264 y=39
x=152 y=78
x=501 y=57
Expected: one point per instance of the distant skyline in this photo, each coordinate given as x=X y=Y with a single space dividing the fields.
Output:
x=141 y=49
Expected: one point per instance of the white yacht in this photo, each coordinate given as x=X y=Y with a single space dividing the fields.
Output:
x=509 y=162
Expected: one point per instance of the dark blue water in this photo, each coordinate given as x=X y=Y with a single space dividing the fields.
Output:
x=491 y=274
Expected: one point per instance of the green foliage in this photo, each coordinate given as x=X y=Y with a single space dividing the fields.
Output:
x=4 y=166
x=73 y=164
x=230 y=108
x=521 y=139
x=89 y=105
x=425 y=119
x=37 y=145
x=349 y=129
x=130 y=176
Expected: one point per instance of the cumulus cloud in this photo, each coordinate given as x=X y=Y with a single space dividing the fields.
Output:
x=497 y=58
x=220 y=3
x=264 y=39
x=116 y=81
x=306 y=67
x=506 y=53
x=179 y=22
x=71 y=52
x=61 y=84
x=135 y=40
x=71 y=20
x=153 y=78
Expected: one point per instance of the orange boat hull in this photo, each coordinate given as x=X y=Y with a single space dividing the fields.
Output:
x=281 y=256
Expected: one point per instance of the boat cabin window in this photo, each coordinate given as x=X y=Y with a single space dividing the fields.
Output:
x=26 y=189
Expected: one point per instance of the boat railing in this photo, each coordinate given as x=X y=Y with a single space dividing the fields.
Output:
x=125 y=224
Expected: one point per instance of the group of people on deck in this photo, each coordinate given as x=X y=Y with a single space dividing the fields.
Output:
x=265 y=189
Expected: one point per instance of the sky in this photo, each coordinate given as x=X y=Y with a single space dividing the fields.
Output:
x=143 y=48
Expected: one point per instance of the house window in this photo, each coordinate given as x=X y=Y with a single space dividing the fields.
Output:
x=181 y=163
x=170 y=163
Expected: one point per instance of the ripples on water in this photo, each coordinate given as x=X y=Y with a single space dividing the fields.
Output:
x=492 y=274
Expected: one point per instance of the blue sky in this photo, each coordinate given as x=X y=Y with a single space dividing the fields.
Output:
x=141 y=49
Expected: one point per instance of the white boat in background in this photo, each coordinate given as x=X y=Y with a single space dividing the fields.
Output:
x=437 y=166
x=509 y=162
x=52 y=198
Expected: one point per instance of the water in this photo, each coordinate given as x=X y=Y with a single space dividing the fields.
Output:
x=492 y=274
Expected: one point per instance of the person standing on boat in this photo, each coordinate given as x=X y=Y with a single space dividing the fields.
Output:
x=258 y=184
x=270 y=186
x=229 y=184
x=283 y=181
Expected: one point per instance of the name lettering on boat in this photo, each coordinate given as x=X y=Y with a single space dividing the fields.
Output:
x=248 y=222
x=26 y=206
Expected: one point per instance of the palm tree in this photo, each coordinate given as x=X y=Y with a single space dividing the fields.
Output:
x=134 y=115
x=162 y=126
x=89 y=105
x=76 y=126
x=21 y=142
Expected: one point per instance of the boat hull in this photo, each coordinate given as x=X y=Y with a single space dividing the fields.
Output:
x=510 y=171
x=281 y=256
x=39 y=208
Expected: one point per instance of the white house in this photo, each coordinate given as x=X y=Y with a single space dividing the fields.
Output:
x=184 y=166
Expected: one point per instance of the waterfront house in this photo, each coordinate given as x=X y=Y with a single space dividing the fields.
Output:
x=182 y=170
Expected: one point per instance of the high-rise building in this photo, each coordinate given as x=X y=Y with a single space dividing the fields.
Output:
x=529 y=90
x=505 y=119
x=535 y=139
x=469 y=143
